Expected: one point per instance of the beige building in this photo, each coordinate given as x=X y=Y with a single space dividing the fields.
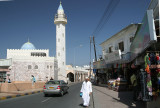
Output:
x=76 y=74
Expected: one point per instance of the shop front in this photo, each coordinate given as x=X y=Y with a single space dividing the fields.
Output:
x=145 y=51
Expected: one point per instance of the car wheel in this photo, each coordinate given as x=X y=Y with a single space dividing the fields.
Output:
x=45 y=95
x=62 y=93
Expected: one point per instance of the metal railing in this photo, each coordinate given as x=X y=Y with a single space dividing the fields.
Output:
x=60 y=16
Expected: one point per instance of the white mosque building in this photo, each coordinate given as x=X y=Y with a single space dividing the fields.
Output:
x=29 y=61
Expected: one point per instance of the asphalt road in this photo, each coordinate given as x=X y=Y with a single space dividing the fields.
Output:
x=70 y=100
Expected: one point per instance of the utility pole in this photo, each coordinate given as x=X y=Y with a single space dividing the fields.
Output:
x=90 y=57
x=94 y=49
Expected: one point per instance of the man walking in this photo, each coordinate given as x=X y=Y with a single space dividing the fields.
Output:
x=86 y=91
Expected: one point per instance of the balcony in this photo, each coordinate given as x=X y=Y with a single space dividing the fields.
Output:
x=60 y=19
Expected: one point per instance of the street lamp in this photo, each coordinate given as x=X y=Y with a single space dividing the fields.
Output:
x=75 y=53
x=74 y=61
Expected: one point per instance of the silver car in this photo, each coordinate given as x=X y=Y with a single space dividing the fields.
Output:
x=55 y=87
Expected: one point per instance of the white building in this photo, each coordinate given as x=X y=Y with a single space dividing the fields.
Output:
x=117 y=47
x=29 y=61
x=77 y=73
x=60 y=21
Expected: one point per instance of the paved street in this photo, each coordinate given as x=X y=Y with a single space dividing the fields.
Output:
x=70 y=100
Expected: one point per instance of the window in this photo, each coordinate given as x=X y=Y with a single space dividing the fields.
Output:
x=47 y=67
x=51 y=67
x=58 y=40
x=29 y=67
x=38 y=54
x=58 y=54
x=36 y=67
x=131 y=39
x=121 y=46
x=110 y=49
x=53 y=82
x=63 y=63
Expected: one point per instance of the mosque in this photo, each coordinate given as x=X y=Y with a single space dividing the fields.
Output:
x=29 y=61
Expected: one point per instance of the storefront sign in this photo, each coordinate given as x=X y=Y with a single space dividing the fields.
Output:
x=99 y=64
x=110 y=57
x=145 y=35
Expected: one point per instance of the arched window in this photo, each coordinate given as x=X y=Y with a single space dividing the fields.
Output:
x=29 y=67
x=36 y=67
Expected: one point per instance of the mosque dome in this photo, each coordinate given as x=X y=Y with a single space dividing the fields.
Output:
x=28 y=45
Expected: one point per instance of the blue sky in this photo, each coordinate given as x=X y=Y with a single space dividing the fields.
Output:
x=34 y=19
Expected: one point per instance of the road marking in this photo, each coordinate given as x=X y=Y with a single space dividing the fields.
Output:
x=46 y=99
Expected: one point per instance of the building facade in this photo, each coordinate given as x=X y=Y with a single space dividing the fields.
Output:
x=78 y=73
x=29 y=61
x=115 y=55
x=4 y=69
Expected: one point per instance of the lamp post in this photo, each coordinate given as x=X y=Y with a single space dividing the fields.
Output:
x=75 y=54
x=75 y=62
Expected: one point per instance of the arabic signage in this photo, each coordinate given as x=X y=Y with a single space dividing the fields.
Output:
x=145 y=35
x=99 y=64
x=110 y=57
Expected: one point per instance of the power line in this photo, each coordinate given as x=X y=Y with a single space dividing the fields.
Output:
x=102 y=18
x=110 y=12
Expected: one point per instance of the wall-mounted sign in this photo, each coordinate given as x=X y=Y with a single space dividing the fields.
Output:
x=145 y=35
x=110 y=57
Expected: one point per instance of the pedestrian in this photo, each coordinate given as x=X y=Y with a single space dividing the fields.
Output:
x=9 y=80
x=86 y=91
x=67 y=80
x=51 y=78
x=134 y=83
x=33 y=80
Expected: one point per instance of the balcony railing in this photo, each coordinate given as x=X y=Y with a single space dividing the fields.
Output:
x=60 y=16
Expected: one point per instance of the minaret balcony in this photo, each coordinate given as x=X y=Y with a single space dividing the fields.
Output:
x=60 y=19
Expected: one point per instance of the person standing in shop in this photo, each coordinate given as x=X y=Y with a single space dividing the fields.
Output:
x=134 y=83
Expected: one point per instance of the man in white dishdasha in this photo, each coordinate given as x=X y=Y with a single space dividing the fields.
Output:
x=86 y=91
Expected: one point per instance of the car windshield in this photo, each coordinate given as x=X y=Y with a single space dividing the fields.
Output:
x=53 y=82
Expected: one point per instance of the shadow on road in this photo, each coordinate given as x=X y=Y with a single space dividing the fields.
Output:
x=125 y=97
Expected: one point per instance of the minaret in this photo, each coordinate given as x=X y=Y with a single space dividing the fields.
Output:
x=61 y=20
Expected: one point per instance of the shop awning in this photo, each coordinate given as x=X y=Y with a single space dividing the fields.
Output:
x=4 y=70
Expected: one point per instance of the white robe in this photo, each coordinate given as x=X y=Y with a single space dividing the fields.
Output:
x=86 y=89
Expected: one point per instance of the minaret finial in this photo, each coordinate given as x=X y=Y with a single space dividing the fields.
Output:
x=28 y=40
x=60 y=2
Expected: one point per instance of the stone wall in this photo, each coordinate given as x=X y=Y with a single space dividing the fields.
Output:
x=20 y=86
x=21 y=72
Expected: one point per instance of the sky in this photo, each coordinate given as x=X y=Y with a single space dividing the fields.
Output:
x=34 y=19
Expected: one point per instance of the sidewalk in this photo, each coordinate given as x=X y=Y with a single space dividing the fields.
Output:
x=105 y=98
x=13 y=94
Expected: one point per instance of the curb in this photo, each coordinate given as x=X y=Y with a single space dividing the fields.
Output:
x=19 y=95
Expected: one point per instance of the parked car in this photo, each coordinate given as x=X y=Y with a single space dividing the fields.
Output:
x=55 y=87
